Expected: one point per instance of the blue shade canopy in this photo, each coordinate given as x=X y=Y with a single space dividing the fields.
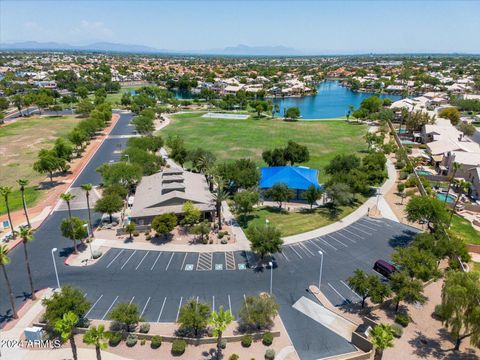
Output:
x=295 y=177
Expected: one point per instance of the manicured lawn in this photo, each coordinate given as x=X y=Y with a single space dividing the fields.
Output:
x=232 y=139
x=291 y=223
x=114 y=98
x=463 y=228
x=15 y=199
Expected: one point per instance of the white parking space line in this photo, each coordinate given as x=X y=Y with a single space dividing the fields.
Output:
x=300 y=249
x=295 y=251
x=109 y=308
x=155 y=263
x=362 y=231
x=169 y=261
x=179 y=306
x=126 y=262
x=343 y=297
x=161 y=310
x=365 y=226
x=379 y=223
x=115 y=258
x=327 y=243
x=145 y=307
x=285 y=256
x=95 y=303
x=303 y=246
x=349 y=288
x=131 y=300
x=314 y=244
x=375 y=227
x=229 y=303
x=183 y=262
x=338 y=241
x=143 y=258
x=213 y=303
x=346 y=237
x=348 y=231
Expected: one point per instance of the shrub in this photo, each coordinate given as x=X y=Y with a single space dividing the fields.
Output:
x=224 y=241
x=401 y=187
x=402 y=319
x=397 y=330
x=83 y=323
x=144 y=328
x=234 y=357
x=156 y=342
x=148 y=237
x=178 y=347
x=142 y=342
x=403 y=175
x=400 y=164
x=246 y=340
x=96 y=254
x=223 y=344
x=114 y=338
x=221 y=234
x=267 y=339
x=131 y=340
x=270 y=354
x=136 y=233
x=438 y=312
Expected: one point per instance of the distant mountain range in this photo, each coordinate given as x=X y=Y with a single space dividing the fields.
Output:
x=129 y=48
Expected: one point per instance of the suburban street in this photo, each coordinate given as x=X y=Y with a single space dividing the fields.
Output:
x=159 y=282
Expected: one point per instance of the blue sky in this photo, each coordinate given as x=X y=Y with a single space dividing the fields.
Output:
x=311 y=26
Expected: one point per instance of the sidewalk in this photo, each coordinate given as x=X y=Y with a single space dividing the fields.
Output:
x=50 y=198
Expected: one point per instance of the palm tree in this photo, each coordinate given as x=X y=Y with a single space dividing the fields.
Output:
x=382 y=338
x=219 y=196
x=463 y=187
x=5 y=191
x=65 y=327
x=68 y=197
x=87 y=188
x=98 y=337
x=219 y=321
x=23 y=183
x=26 y=235
x=456 y=166
x=4 y=261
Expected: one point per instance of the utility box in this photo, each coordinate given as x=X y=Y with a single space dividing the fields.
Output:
x=34 y=333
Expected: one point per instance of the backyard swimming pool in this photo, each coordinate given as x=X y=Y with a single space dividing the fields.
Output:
x=450 y=199
x=423 y=172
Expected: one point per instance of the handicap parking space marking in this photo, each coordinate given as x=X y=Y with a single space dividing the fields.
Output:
x=242 y=266
x=109 y=308
x=189 y=267
x=94 y=304
x=295 y=251
x=218 y=266
x=229 y=260
x=349 y=288
x=155 y=262
x=115 y=258
x=204 y=261
x=161 y=309
x=327 y=243
x=346 y=237
x=302 y=245
x=126 y=262
x=143 y=258
x=169 y=261
x=351 y=233
x=338 y=241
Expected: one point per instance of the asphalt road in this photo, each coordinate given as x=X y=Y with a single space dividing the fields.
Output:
x=160 y=282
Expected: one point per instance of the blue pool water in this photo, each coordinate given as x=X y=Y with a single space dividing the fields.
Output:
x=423 y=172
x=332 y=100
x=442 y=197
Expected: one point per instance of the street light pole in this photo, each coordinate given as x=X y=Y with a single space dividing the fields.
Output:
x=321 y=269
x=55 y=267
x=89 y=239
x=271 y=276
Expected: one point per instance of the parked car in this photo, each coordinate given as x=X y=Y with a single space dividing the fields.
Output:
x=384 y=267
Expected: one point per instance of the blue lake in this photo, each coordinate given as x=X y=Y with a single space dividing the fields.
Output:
x=332 y=100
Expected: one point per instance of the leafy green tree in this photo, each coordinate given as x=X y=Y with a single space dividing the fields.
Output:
x=84 y=107
x=109 y=204
x=116 y=189
x=292 y=113
x=244 y=201
x=191 y=214
x=5 y=191
x=312 y=194
x=164 y=223
x=63 y=149
x=27 y=237
x=65 y=327
x=130 y=228
x=48 y=162
x=280 y=193
x=417 y=263
x=382 y=337
x=82 y=91
x=264 y=239
x=219 y=320
x=121 y=173
x=98 y=337
x=126 y=315
x=467 y=129
x=202 y=229
x=275 y=157
x=68 y=299
x=339 y=194
x=257 y=312
x=460 y=309
x=368 y=286
x=144 y=125
x=23 y=183
x=193 y=317
x=452 y=114
x=4 y=261
x=296 y=153
x=77 y=137
x=343 y=164
x=423 y=208
x=406 y=289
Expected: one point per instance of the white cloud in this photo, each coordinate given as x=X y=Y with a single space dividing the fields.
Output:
x=95 y=29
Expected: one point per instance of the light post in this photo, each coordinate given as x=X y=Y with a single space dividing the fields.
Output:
x=86 y=226
x=321 y=269
x=378 y=196
x=55 y=266
x=271 y=276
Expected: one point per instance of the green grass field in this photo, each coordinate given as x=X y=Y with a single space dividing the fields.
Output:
x=232 y=139
x=464 y=229
x=114 y=98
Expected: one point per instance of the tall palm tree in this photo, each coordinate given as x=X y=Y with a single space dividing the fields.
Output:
x=23 y=183
x=65 y=327
x=456 y=166
x=219 y=321
x=382 y=338
x=98 y=337
x=4 y=261
x=5 y=191
x=463 y=187
x=26 y=235
x=87 y=188
x=219 y=196
x=68 y=197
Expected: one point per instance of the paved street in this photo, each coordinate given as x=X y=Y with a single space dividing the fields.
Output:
x=160 y=282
